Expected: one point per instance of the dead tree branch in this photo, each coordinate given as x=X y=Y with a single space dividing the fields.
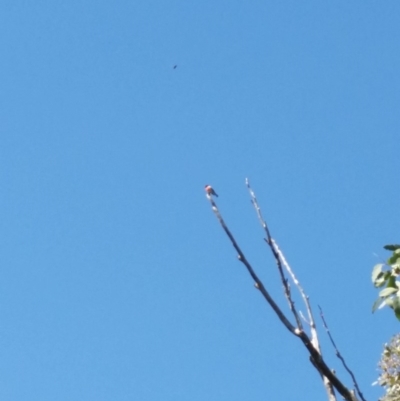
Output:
x=312 y=345
x=281 y=261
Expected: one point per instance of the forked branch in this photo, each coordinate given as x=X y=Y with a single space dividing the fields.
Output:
x=310 y=342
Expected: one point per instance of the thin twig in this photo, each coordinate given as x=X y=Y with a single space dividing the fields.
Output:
x=306 y=300
x=339 y=355
x=270 y=242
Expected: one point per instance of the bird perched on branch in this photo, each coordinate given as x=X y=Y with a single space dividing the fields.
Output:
x=210 y=191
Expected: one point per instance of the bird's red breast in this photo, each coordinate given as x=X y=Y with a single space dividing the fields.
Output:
x=210 y=191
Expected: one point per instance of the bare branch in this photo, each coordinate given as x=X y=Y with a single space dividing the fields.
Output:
x=281 y=261
x=270 y=242
x=339 y=355
x=306 y=300
x=329 y=377
x=258 y=284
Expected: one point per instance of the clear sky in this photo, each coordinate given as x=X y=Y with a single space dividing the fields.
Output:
x=117 y=283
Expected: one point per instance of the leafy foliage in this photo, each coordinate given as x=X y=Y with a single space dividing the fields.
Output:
x=390 y=370
x=385 y=276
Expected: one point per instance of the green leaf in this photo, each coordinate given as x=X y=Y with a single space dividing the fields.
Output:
x=396 y=307
x=381 y=280
x=394 y=259
x=389 y=302
x=391 y=247
x=391 y=282
x=377 y=304
x=377 y=271
x=387 y=291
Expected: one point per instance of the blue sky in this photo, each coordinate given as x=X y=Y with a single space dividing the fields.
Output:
x=117 y=282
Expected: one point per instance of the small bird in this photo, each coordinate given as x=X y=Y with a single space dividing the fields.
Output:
x=175 y=66
x=210 y=191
